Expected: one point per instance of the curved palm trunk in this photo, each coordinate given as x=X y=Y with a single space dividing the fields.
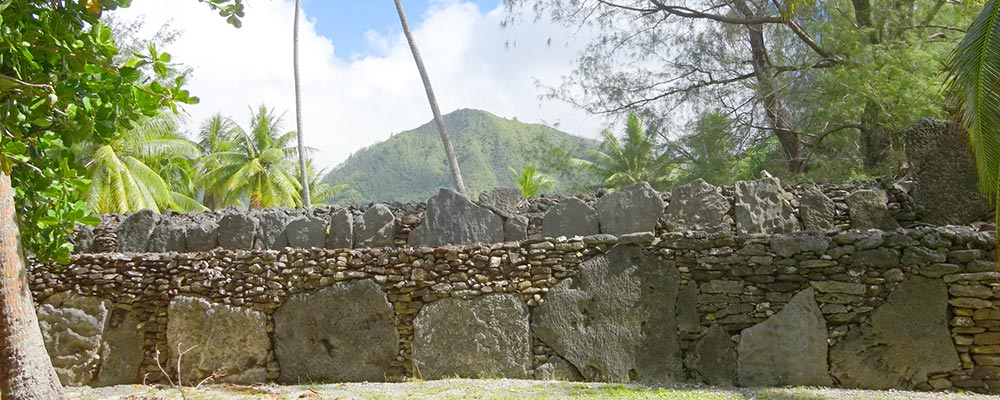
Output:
x=449 y=150
x=306 y=201
x=25 y=368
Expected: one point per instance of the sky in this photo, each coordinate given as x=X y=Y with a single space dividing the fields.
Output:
x=359 y=82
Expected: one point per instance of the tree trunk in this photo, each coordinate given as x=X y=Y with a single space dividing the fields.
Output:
x=875 y=142
x=449 y=150
x=306 y=200
x=25 y=368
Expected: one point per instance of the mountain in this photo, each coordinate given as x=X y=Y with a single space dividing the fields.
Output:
x=411 y=166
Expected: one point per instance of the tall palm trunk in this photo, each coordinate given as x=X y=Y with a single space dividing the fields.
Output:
x=306 y=201
x=25 y=368
x=449 y=150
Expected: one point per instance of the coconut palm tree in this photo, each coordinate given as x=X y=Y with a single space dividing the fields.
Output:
x=217 y=134
x=449 y=150
x=530 y=181
x=258 y=169
x=127 y=172
x=619 y=163
x=303 y=179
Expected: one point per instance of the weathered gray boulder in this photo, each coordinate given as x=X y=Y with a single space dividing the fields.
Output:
x=790 y=245
x=237 y=230
x=713 y=360
x=217 y=338
x=122 y=349
x=203 y=235
x=83 y=239
x=762 y=207
x=615 y=320
x=570 y=217
x=451 y=218
x=502 y=200
x=134 y=232
x=168 y=236
x=869 y=209
x=906 y=340
x=695 y=206
x=788 y=349
x=486 y=336
x=306 y=232
x=375 y=228
x=636 y=208
x=341 y=235
x=342 y=333
x=688 y=318
x=945 y=172
x=72 y=328
x=515 y=228
x=816 y=210
x=557 y=369
x=272 y=229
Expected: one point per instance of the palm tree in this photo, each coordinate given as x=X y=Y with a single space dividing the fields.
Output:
x=216 y=135
x=127 y=172
x=530 y=181
x=320 y=191
x=257 y=170
x=303 y=179
x=449 y=150
x=619 y=163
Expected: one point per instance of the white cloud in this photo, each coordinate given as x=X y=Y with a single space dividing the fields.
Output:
x=354 y=102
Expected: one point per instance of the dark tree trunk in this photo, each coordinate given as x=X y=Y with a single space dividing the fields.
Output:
x=875 y=140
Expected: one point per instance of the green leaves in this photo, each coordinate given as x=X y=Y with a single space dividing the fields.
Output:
x=531 y=182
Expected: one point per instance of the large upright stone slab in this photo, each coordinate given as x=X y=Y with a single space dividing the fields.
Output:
x=816 y=210
x=502 y=200
x=869 y=209
x=237 y=230
x=342 y=333
x=907 y=340
x=375 y=228
x=762 y=207
x=615 y=320
x=217 y=338
x=713 y=359
x=515 y=228
x=272 y=229
x=695 y=206
x=557 y=369
x=203 y=235
x=122 y=349
x=451 y=218
x=306 y=232
x=341 y=232
x=134 y=232
x=570 y=217
x=72 y=328
x=945 y=171
x=636 y=208
x=788 y=349
x=168 y=236
x=83 y=239
x=484 y=337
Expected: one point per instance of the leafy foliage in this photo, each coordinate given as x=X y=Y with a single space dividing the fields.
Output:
x=633 y=158
x=530 y=181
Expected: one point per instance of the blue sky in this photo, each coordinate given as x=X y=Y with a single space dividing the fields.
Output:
x=345 y=22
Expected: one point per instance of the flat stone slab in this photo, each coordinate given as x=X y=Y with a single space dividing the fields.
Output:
x=341 y=230
x=237 y=230
x=375 y=228
x=451 y=218
x=122 y=349
x=72 y=328
x=869 y=209
x=713 y=360
x=135 y=230
x=696 y=206
x=635 y=208
x=761 y=207
x=945 y=169
x=217 y=339
x=570 y=217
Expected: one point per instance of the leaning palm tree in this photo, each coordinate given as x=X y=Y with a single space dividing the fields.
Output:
x=258 y=170
x=128 y=172
x=619 y=163
x=303 y=179
x=449 y=150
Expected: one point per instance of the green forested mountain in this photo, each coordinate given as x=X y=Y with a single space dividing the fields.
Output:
x=411 y=166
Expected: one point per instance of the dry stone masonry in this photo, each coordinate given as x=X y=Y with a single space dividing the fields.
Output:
x=754 y=284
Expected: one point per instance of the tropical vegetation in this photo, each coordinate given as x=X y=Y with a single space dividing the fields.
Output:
x=531 y=181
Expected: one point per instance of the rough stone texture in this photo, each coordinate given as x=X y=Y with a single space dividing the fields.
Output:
x=122 y=349
x=203 y=235
x=695 y=206
x=483 y=337
x=168 y=236
x=375 y=228
x=451 y=218
x=869 y=210
x=789 y=348
x=341 y=235
x=83 y=239
x=221 y=338
x=237 y=231
x=515 y=228
x=134 y=232
x=636 y=208
x=945 y=172
x=503 y=200
x=800 y=242
x=557 y=369
x=272 y=230
x=615 y=320
x=571 y=217
x=907 y=340
x=306 y=232
x=72 y=328
x=816 y=210
x=713 y=360
x=342 y=333
x=762 y=207
x=688 y=319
